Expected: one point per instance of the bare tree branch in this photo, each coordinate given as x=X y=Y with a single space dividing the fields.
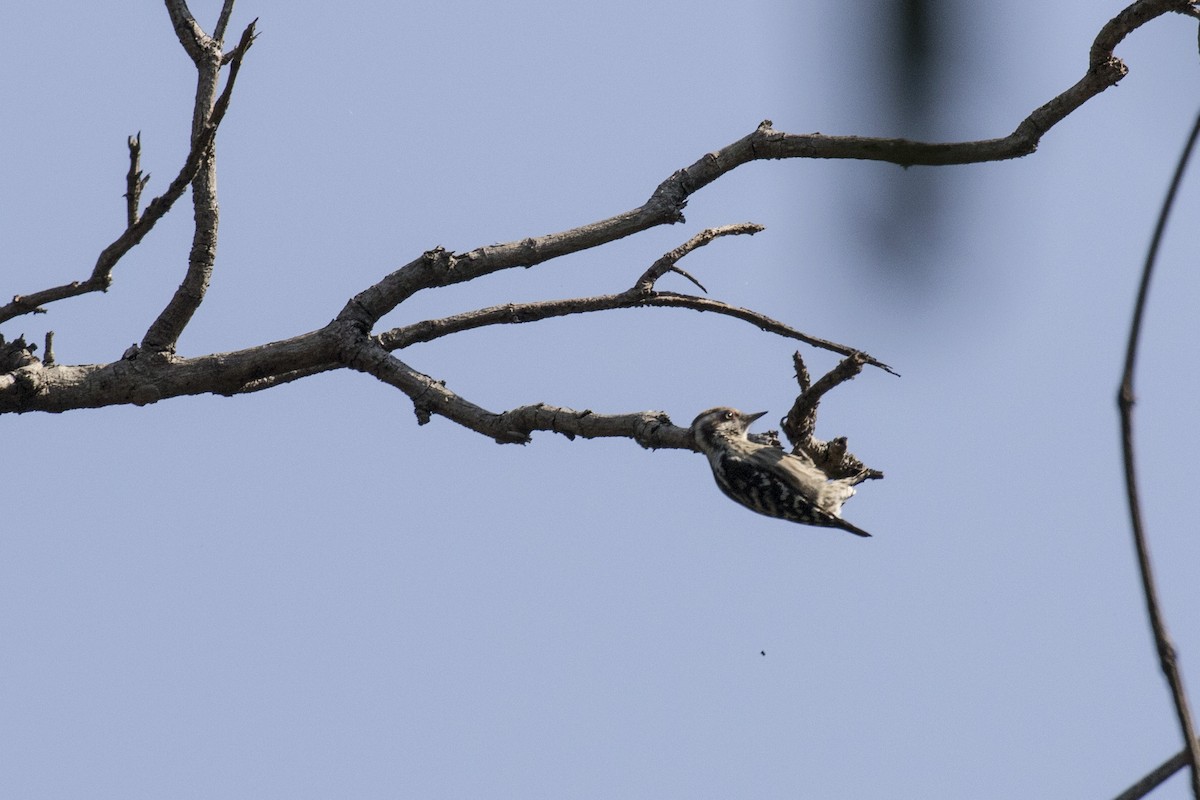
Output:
x=223 y=21
x=1125 y=402
x=1155 y=777
x=641 y=294
x=135 y=181
x=669 y=261
x=164 y=332
x=652 y=429
x=442 y=268
x=147 y=382
x=800 y=423
x=101 y=277
x=152 y=372
x=518 y=313
x=668 y=201
x=145 y=376
x=431 y=396
x=187 y=30
x=672 y=300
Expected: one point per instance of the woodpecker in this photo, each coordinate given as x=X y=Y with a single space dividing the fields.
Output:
x=767 y=479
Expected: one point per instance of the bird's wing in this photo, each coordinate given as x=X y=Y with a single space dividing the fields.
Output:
x=803 y=475
x=825 y=495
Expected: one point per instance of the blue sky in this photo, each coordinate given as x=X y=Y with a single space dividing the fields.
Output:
x=301 y=593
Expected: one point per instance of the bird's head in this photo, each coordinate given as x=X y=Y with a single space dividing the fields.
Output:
x=721 y=424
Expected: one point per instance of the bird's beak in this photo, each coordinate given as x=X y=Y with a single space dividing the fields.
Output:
x=751 y=417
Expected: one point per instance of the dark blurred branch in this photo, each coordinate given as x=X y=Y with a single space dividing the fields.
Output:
x=1125 y=401
x=441 y=267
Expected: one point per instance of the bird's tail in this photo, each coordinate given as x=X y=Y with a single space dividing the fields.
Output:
x=846 y=526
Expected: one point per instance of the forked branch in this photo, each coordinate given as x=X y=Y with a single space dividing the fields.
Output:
x=209 y=110
x=153 y=372
x=138 y=225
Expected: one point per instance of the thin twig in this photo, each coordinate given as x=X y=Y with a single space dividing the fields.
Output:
x=641 y=294
x=101 y=277
x=234 y=59
x=135 y=181
x=669 y=261
x=1125 y=401
x=516 y=313
x=672 y=300
x=1155 y=777
x=223 y=21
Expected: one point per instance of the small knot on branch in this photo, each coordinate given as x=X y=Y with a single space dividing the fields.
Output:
x=16 y=354
x=21 y=302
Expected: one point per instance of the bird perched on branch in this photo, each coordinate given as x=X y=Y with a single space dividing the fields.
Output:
x=767 y=479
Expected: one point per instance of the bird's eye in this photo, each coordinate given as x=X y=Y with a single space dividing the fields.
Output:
x=728 y=415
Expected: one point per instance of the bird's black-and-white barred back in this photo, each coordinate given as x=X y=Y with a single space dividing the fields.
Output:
x=766 y=479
